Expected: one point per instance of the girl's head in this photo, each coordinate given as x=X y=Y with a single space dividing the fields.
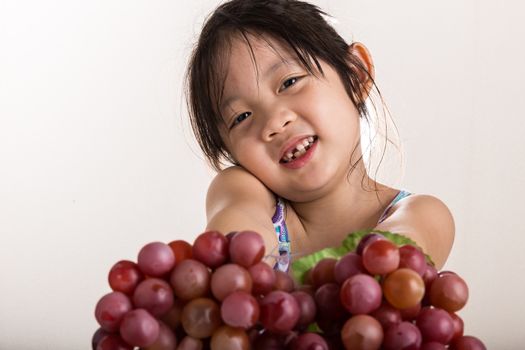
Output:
x=235 y=97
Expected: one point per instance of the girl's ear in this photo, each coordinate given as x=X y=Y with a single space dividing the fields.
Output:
x=360 y=52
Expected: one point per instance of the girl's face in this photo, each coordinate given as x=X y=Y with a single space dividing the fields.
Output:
x=271 y=108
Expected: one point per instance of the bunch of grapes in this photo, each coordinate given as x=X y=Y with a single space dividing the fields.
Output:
x=218 y=294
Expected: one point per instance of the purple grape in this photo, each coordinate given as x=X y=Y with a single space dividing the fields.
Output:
x=110 y=310
x=323 y=272
x=387 y=315
x=165 y=341
x=467 y=342
x=240 y=309
x=263 y=277
x=366 y=240
x=156 y=259
x=279 y=312
x=269 y=341
x=211 y=248
x=154 y=295
x=433 y=345
x=97 y=337
x=361 y=294
x=190 y=343
x=306 y=306
x=435 y=325
x=113 y=342
x=246 y=248
x=349 y=265
x=412 y=258
x=402 y=336
x=309 y=341
x=228 y=279
x=139 y=328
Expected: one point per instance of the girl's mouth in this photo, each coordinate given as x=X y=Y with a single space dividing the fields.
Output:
x=302 y=153
x=299 y=150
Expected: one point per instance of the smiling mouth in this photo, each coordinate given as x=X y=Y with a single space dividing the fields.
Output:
x=299 y=150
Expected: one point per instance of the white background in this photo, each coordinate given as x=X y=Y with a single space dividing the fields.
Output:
x=96 y=158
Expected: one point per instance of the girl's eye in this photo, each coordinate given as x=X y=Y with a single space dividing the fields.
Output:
x=240 y=118
x=289 y=82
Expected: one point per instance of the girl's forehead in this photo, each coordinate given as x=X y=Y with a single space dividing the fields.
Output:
x=257 y=52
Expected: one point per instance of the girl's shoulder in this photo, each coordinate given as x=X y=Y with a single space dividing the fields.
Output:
x=236 y=183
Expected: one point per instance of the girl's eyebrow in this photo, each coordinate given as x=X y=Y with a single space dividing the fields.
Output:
x=270 y=70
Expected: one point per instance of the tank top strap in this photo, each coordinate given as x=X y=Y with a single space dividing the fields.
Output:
x=402 y=194
x=279 y=224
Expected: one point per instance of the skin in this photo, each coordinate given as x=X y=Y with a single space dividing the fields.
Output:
x=268 y=107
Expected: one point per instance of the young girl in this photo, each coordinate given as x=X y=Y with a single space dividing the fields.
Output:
x=275 y=91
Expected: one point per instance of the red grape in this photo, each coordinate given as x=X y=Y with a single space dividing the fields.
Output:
x=435 y=325
x=139 y=328
x=154 y=295
x=411 y=313
x=263 y=278
x=361 y=294
x=201 y=317
x=412 y=258
x=429 y=275
x=366 y=240
x=190 y=279
x=362 y=332
x=156 y=259
x=328 y=302
x=381 y=257
x=110 y=310
x=190 y=343
x=404 y=288
x=229 y=338
x=165 y=341
x=113 y=342
x=124 y=276
x=433 y=345
x=240 y=309
x=387 y=315
x=279 y=311
x=211 y=248
x=181 y=249
x=283 y=281
x=228 y=279
x=449 y=292
x=402 y=336
x=458 y=325
x=349 y=265
x=306 y=306
x=323 y=272
x=467 y=342
x=246 y=248
x=173 y=316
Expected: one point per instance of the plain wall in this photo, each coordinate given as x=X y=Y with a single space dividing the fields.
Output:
x=97 y=158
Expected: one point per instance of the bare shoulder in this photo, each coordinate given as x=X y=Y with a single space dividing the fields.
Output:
x=235 y=185
x=427 y=220
x=237 y=200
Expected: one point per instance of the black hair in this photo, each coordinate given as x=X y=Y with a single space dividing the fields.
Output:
x=298 y=25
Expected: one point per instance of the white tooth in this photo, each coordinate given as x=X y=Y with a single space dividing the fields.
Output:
x=306 y=143
x=289 y=155
x=300 y=147
x=299 y=153
x=310 y=139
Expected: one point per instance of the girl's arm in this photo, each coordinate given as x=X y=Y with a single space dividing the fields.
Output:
x=237 y=201
x=426 y=220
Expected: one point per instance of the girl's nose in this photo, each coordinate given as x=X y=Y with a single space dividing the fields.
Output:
x=277 y=123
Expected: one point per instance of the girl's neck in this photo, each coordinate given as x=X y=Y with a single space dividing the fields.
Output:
x=346 y=208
